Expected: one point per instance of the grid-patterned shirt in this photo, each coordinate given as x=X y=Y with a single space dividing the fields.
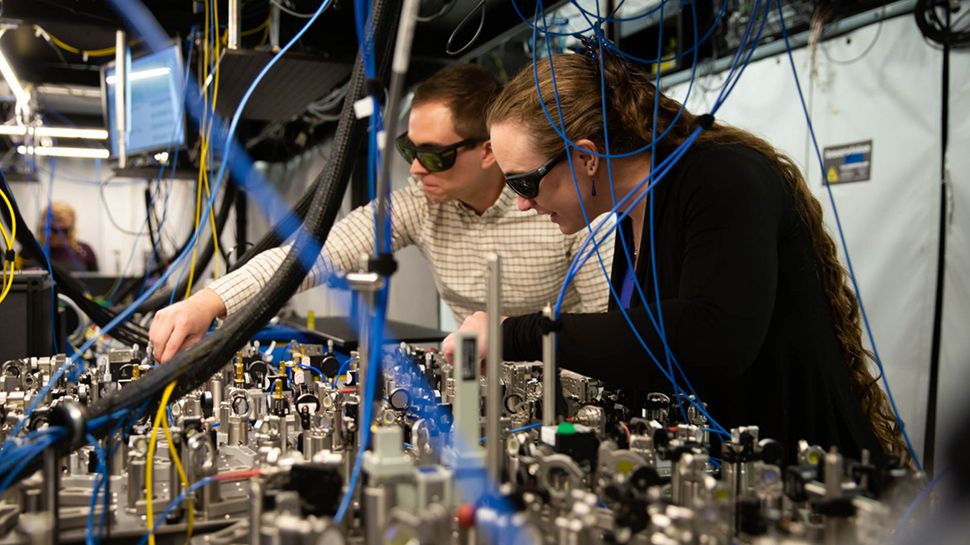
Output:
x=455 y=240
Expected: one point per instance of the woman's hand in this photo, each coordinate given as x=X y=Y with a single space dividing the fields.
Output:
x=476 y=324
x=184 y=323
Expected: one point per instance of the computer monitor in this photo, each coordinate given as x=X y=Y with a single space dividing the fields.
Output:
x=155 y=110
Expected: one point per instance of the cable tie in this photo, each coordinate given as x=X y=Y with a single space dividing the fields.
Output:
x=705 y=121
x=384 y=264
x=10 y=255
x=548 y=325
x=364 y=107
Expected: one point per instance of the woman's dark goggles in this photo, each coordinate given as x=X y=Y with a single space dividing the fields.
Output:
x=433 y=158
x=526 y=185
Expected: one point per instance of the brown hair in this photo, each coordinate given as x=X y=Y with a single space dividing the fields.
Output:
x=630 y=118
x=466 y=89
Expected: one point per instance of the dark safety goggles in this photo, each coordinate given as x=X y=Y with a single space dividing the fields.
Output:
x=526 y=185
x=433 y=158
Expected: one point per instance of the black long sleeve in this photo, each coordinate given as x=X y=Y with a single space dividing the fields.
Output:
x=743 y=309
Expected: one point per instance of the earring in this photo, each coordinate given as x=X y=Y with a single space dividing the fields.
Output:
x=594 y=185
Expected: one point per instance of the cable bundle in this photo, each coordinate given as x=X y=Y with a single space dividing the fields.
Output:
x=933 y=17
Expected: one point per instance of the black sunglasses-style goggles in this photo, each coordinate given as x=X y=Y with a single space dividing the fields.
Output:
x=526 y=185
x=433 y=158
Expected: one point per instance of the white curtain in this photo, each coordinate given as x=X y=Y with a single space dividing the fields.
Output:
x=890 y=95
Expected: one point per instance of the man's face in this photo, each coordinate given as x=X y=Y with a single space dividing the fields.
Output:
x=431 y=124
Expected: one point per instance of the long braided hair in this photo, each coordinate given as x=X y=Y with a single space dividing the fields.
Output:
x=629 y=108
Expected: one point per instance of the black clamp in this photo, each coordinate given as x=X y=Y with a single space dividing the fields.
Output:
x=548 y=325
x=10 y=255
x=69 y=415
x=384 y=264
x=705 y=121
x=375 y=88
x=590 y=46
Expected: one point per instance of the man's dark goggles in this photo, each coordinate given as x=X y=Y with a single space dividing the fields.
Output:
x=433 y=158
x=526 y=184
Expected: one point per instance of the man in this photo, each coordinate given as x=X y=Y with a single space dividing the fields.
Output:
x=456 y=209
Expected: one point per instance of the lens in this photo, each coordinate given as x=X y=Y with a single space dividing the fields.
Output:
x=405 y=152
x=437 y=161
x=522 y=187
x=404 y=147
x=431 y=161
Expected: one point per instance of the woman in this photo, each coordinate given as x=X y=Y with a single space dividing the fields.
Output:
x=65 y=248
x=753 y=300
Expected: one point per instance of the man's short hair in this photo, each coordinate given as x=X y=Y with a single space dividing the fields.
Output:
x=467 y=90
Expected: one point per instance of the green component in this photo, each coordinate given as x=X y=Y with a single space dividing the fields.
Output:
x=566 y=428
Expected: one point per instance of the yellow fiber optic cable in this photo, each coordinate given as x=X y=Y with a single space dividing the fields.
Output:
x=198 y=214
x=204 y=144
x=149 y=462
x=103 y=52
x=177 y=462
x=252 y=31
x=215 y=100
x=9 y=239
x=206 y=131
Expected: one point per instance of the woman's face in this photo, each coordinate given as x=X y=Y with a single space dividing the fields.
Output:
x=60 y=230
x=515 y=154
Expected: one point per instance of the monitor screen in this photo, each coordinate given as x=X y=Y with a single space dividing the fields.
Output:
x=155 y=111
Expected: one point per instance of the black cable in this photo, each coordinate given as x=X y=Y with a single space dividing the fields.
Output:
x=127 y=332
x=162 y=234
x=288 y=11
x=164 y=295
x=939 y=30
x=929 y=444
x=481 y=8
x=281 y=231
x=151 y=229
x=242 y=225
x=155 y=302
x=107 y=210
x=446 y=6
x=858 y=57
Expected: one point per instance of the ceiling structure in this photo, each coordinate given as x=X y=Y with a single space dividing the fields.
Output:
x=45 y=43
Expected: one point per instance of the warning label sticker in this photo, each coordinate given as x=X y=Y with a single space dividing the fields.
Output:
x=848 y=162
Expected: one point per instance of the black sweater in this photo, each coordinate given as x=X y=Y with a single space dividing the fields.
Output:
x=743 y=308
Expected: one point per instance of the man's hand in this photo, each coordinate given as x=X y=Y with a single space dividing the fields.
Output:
x=184 y=323
x=477 y=324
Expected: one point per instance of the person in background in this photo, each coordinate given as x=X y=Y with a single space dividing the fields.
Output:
x=59 y=220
